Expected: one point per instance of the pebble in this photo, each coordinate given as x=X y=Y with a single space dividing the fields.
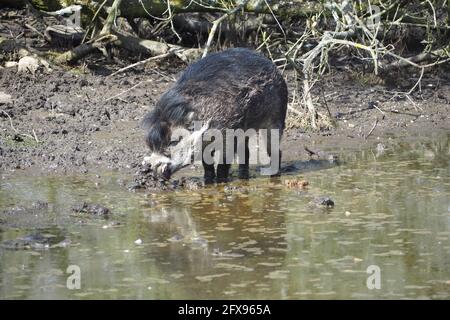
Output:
x=11 y=64
x=5 y=98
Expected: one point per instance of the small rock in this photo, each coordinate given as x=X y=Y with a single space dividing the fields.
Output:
x=348 y=213
x=5 y=98
x=324 y=201
x=17 y=138
x=94 y=209
x=83 y=83
x=28 y=64
x=124 y=82
x=11 y=64
x=23 y=53
x=138 y=242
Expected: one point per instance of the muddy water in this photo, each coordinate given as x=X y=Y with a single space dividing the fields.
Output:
x=252 y=240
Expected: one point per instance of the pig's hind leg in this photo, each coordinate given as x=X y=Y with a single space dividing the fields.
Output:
x=243 y=172
x=209 y=172
x=273 y=150
x=223 y=170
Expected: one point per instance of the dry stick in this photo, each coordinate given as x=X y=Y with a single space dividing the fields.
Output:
x=35 y=136
x=310 y=152
x=328 y=38
x=84 y=49
x=278 y=22
x=326 y=105
x=440 y=53
x=216 y=24
x=125 y=91
x=17 y=131
x=418 y=84
x=371 y=130
x=307 y=99
x=382 y=112
x=95 y=44
x=294 y=110
x=171 y=21
x=111 y=17
x=139 y=63
x=93 y=19
x=35 y=30
x=170 y=78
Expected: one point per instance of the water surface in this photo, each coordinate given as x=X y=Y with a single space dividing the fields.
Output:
x=250 y=240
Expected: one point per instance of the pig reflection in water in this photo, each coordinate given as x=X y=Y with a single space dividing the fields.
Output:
x=192 y=220
x=230 y=90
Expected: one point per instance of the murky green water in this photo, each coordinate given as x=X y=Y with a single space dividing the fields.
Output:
x=254 y=240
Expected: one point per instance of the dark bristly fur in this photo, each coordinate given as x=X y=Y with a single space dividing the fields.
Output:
x=233 y=89
x=171 y=110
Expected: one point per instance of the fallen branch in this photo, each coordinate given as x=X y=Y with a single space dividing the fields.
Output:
x=107 y=27
x=125 y=91
x=35 y=30
x=139 y=63
x=84 y=49
x=442 y=53
x=371 y=130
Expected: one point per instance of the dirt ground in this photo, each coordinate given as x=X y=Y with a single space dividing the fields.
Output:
x=81 y=120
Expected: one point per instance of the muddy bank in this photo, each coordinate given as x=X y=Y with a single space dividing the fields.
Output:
x=70 y=122
x=81 y=120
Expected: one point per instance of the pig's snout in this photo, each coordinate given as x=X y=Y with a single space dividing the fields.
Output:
x=161 y=165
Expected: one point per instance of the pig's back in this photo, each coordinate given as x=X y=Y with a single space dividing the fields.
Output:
x=234 y=88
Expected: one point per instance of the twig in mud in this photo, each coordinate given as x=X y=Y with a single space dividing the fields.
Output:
x=17 y=131
x=294 y=110
x=382 y=112
x=418 y=83
x=326 y=105
x=125 y=91
x=371 y=130
x=35 y=30
x=139 y=63
x=169 y=10
x=35 y=136
x=171 y=78
x=310 y=152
